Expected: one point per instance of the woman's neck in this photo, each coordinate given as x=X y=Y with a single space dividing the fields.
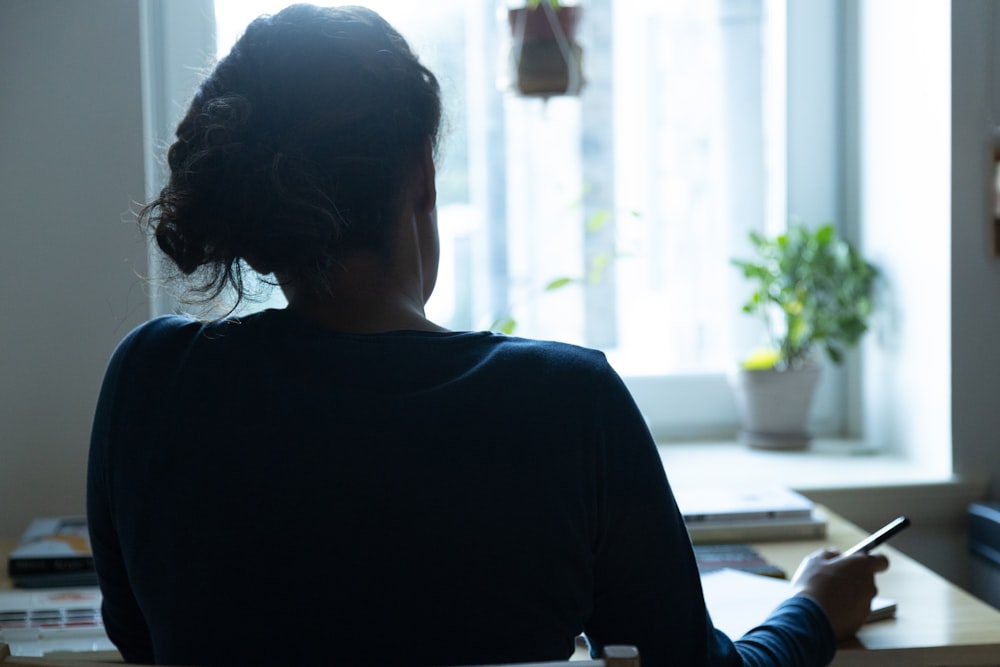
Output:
x=337 y=317
x=364 y=296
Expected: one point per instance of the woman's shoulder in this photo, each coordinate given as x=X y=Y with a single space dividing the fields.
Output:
x=162 y=324
x=158 y=341
x=158 y=329
x=171 y=329
x=551 y=360
x=549 y=351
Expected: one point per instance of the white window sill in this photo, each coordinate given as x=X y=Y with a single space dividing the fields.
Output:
x=827 y=465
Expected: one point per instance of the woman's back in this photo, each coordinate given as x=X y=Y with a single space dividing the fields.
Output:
x=405 y=493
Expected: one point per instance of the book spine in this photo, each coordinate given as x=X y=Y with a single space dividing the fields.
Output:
x=762 y=515
x=29 y=566
x=719 y=534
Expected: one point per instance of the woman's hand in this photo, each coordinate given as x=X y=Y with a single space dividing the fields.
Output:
x=842 y=586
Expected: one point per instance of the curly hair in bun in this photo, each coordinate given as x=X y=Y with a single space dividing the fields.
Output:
x=298 y=145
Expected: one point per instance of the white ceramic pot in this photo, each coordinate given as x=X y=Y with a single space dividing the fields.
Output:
x=774 y=406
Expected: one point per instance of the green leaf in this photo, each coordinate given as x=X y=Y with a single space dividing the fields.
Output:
x=505 y=325
x=598 y=267
x=598 y=220
x=558 y=283
x=825 y=234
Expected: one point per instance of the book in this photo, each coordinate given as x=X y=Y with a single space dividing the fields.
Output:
x=723 y=515
x=749 y=504
x=36 y=623
x=53 y=551
x=743 y=557
x=739 y=601
x=810 y=527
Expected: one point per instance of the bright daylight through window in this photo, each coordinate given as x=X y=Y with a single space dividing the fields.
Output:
x=607 y=219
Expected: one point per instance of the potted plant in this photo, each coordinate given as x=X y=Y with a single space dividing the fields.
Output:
x=545 y=56
x=813 y=291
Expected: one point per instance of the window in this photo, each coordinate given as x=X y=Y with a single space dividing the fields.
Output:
x=608 y=219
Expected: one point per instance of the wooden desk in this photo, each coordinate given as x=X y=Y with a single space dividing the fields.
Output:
x=937 y=624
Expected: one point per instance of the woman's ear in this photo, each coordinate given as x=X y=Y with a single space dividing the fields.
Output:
x=426 y=187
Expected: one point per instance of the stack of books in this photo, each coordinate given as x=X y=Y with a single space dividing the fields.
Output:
x=53 y=552
x=63 y=612
x=55 y=621
x=718 y=516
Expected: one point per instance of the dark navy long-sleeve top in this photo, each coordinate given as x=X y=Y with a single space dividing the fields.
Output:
x=265 y=490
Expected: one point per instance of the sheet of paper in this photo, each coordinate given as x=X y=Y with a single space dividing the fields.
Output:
x=739 y=601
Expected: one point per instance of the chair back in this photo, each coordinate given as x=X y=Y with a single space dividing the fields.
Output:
x=614 y=656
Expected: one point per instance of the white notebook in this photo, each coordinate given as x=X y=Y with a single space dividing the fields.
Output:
x=705 y=505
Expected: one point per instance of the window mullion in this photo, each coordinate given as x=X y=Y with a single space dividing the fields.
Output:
x=599 y=219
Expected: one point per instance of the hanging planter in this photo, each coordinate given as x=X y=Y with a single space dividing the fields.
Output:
x=545 y=57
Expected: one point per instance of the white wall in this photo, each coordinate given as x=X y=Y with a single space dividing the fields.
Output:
x=71 y=164
x=899 y=190
x=975 y=289
x=74 y=112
